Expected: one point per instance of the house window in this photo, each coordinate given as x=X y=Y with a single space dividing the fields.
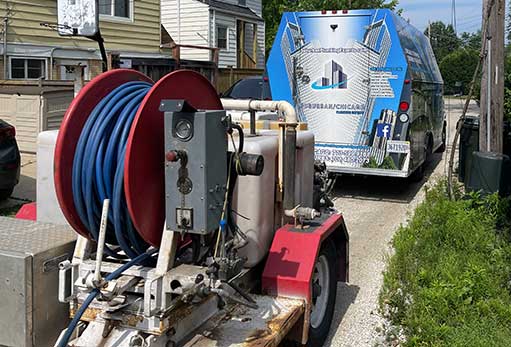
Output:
x=28 y=68
x=221 y=37
x=115 y=8
x=242 y=2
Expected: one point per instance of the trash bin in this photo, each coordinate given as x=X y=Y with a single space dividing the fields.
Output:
x=489 y=173
x=469 y=143
x=507 y=138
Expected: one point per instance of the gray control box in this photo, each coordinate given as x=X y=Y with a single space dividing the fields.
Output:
x=195 y=168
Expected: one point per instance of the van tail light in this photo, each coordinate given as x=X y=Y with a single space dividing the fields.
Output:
x=404 y=106
x=7 y=132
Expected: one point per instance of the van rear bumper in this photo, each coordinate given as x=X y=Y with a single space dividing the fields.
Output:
x=368 y=171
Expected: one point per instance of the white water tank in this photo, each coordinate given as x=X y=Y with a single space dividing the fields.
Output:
x=48 y=208
x=254 y=197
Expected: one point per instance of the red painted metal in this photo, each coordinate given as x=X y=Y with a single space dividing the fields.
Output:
x=292 y=256
x=27 y=212
x=291 y=260
x=144 y=183
x=70 y=130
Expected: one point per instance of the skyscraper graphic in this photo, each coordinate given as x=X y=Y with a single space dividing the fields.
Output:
x=334 y=76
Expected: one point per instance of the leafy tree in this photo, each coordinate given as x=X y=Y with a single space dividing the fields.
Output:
x=443 y=39
x=471 y=40
x=273 y=9
x=459 y=66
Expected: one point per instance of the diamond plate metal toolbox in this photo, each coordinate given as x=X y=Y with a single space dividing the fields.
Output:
x=30 y=314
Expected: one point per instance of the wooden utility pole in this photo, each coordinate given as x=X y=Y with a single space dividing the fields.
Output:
x=492 y=82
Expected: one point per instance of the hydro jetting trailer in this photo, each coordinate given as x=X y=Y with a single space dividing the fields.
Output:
x=368 y=85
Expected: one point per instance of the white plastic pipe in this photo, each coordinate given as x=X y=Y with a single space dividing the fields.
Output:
x=101 y=241
x=262 y=105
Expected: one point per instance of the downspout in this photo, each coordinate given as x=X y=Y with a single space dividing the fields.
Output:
x=51 y=61
x=6 y=20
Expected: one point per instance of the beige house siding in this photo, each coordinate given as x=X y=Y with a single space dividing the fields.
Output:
x=139 y=34
x=33 y=113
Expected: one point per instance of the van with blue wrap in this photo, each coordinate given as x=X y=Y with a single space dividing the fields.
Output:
x=368 y=85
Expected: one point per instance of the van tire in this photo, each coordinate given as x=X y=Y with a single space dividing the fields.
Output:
x=443 y=146
x=418 y=174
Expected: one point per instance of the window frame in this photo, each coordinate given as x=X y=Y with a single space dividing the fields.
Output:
x=113 y=18
x=25 y=65
x=226 y=37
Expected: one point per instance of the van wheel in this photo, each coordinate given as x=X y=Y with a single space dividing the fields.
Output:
x=418 y=174
x=324 y=292
x=443 y=146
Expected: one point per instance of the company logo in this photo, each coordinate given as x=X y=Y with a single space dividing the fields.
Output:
x=334 y=78
x=383 y=130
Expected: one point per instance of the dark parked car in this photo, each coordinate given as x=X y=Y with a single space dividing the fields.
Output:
x=9 y=160
x=257 y=87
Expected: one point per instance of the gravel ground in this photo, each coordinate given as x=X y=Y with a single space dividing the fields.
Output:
x=374 y=208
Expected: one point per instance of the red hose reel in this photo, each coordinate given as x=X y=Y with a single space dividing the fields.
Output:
x=144 y=182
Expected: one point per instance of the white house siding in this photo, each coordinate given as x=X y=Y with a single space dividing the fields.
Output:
x=255 y=5
x=261 y=58
x=194 y=26
x=226 y=57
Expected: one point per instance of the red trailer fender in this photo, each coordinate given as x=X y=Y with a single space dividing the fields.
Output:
x=292 y=257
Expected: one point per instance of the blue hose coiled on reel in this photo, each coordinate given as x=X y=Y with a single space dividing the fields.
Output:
x=98 y=168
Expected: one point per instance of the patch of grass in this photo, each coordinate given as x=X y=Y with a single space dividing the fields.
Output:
x=448 y=282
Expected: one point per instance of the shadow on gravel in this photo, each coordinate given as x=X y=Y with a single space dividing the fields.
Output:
x=346 y=295
x=376 y=188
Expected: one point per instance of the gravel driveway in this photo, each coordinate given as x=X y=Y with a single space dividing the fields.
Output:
x=374 y=208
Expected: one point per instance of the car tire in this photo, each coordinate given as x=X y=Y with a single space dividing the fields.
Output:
x=5 y=193
x=324 y=276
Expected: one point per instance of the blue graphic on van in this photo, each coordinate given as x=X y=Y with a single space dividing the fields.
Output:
x=333 y=78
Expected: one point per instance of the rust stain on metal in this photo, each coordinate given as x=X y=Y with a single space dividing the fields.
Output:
x=132 y=320
x=180 y=312
x=89 y=315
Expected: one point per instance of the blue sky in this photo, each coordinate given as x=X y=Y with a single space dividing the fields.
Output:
x=468 y=13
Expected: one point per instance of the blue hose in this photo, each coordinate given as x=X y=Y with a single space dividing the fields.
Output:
x=98 y=168
x=112 y=276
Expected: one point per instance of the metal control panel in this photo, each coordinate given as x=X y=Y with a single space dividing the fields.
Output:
x=195 y=167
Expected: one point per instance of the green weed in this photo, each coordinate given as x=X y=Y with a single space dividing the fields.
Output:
x=448 y=282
